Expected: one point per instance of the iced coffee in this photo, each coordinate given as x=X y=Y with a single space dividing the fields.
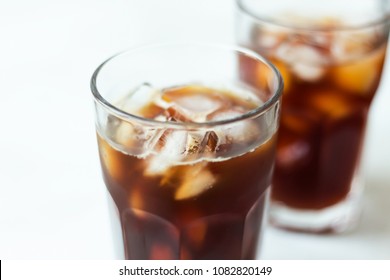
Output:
x=331 y=72
x=189 y=166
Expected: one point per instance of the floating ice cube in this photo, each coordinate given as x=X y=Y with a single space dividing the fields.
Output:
x=124 y=133
x=172 y=113
x=333 y=104
x=308 y=72
x=155 y=139
x=320 y=40
x=353 y=45
x=360 y=74
x=209 y=142
x=293 y=52
x=307 y=62
x=196 y=179
x=170 y=150
x=268 y=40
x=138 y=98
x=137 y=139
x=268 y=37
x=236 y=132
x=194 y=142
x=174 y=148
x=198 y=104
x=192 y=107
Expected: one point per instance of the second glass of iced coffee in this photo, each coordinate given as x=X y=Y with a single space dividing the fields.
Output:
x=187 y=148
x=331 y=55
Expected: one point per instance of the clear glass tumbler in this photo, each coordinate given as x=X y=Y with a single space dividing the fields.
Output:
x=330 y=54
x=187 y=148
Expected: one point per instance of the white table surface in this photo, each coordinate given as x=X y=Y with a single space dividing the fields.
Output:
x=52 y=198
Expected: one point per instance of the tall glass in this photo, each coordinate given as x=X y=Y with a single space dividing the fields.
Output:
x=331 y=55
x=187 y=149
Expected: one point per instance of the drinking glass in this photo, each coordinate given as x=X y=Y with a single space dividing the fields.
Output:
x=187 y=147
x=331 y=55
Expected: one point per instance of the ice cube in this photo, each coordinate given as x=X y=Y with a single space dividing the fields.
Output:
x=136 y=139
x=196 y=180
x=151 y=111
x=209 y=142
x=321 y=40
x=173 y=144
x=293 y=52
x=138 y=98
x=332 y=104
x=124 y=133
x=268 y=37
x=170 y=150
x=305 y=61
x=308 y=72
x=155 y=139
x=352 y=45
x=191 y=103
x=173 y=113
x=360 y=75
x=198 y=104
x=194 y=108
x=236 y=132
x=194 y=143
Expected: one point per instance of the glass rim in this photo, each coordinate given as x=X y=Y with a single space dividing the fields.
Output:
x=126 y=116
x=380 y=21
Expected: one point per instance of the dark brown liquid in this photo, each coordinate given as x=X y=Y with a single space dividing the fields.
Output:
x=166 y=216
x=322 y=124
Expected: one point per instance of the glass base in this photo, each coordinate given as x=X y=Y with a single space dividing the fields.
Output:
x=342 y=217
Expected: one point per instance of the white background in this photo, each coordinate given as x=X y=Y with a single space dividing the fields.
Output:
x=52 y=198
x=281 y=269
